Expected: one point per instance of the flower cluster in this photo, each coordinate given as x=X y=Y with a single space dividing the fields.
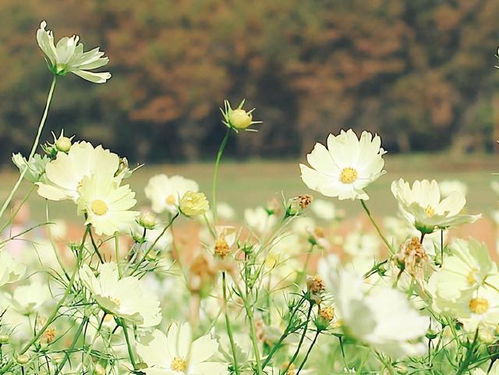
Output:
x=183 y=287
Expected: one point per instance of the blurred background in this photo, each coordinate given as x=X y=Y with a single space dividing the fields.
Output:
x=419 y=73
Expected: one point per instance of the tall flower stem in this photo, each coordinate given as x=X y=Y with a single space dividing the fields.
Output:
x=300 y=343
x=77 y=335
x=228 y=326
x=128 y=345
x=215 y=174
x=364 y=206
x=33 y=148
x=308 y=351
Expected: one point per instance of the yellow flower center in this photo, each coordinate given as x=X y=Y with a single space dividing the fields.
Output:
x=429 y=210
x=99 y=207
x=117 y=301
x=348 y=175
x=479 y=305
x=170 y=199
x=179 y=364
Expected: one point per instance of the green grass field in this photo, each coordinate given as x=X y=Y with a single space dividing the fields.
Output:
x=248 y=184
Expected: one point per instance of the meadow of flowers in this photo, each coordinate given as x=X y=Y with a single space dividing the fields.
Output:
x=267 y=296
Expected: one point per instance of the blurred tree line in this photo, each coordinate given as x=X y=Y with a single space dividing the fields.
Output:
x=420 y=73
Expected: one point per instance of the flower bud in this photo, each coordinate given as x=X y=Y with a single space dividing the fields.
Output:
x=194 y=204
x=431 y=334
x=4 y=339
x=22 y=359
x=147 y=220
x=315 y=289
x=63 y=144
x=240 y=119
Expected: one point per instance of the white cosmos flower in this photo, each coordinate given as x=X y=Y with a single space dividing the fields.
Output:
x=346 y=166
x=106 y=204
x=165 y=192
x=126 y=298
x=68 y=56
x=259 y=219
x=464 y=270
x=176 y=353
x=10 y=270
x=324 y=210
x=422 y=206
x=28 y=299
x=379 y=316
x=65 y=174
x=466 y=286
x=449 y=186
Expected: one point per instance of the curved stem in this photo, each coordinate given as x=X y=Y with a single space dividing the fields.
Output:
x=33 y=148
x=363 y=203
x=215 y=174
x=228 y=326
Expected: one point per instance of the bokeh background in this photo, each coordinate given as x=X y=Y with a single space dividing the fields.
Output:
x=419 y=73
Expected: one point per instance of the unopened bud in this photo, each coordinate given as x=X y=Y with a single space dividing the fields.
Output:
x=147 y=220
x=22 y=359
x=4 y=339
x=222 y=248
x=63 y=144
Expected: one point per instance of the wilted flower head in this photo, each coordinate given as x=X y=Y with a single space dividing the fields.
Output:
x=68 y=56
x=237 y=119
x=412 y=257
x=422 y=206
x=346 y=167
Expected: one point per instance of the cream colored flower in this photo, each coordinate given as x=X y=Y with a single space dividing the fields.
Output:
x=125 y=298
x=259 y=219
x=10 y=270
x=466 y=286
x=28 y=299
x=422 y=206
x=165 y=192
x=106 y=204
x=346 y=167
x=379 y=316
x=65 y=174
x=176 y=353
x=68 y=56
x=193 y=204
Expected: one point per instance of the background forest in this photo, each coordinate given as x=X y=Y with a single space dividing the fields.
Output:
x=420 y=73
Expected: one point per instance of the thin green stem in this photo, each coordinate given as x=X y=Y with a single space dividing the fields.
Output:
x=33 y=148
x=94 y=244
x=128 y=345
x=363 y=203
x=308 y=351
x=67 y=292
x=441 y=248
x=300 y=343
x=215 y=174
x=155 y=242
x=228 y=326
x=285 y=334
x=73 y=344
